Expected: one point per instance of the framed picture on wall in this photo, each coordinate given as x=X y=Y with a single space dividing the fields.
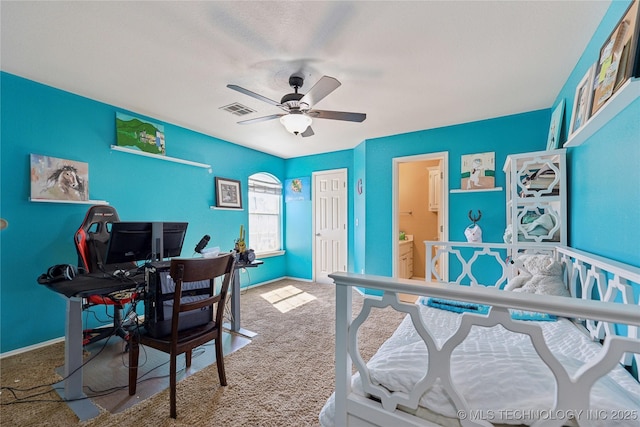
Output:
x=139 y=134
x=58 y=179
x=228 y=193
x=619 y=57
x=582 y=101
x=553 y=140
x=297 y=189
x=478 y=171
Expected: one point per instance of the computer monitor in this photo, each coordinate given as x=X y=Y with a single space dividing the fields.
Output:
x=172 y=238
x=144 y=241
x=129 y=241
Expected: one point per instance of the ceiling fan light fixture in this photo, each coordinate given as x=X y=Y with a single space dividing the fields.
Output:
x=296 y=122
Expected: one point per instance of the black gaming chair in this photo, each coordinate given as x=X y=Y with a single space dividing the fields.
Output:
x=91 y=242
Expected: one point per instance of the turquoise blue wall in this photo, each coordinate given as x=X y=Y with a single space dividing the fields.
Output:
x=604 y=202
x=603 y=179
x=43 y=120
x=359 y=223
x=299 y=225
x=504 y=135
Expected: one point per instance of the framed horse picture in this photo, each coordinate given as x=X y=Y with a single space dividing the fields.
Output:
x=58 y=179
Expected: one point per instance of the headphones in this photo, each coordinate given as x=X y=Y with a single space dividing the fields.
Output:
x=58 y=273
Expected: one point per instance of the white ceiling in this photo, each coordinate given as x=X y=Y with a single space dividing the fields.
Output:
x=410 y=65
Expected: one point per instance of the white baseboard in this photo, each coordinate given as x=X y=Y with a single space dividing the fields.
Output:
x=31 y=347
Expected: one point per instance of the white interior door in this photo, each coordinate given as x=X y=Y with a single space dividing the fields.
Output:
x=330 y=223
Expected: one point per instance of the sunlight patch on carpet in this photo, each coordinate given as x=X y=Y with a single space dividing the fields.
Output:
x=287 y=298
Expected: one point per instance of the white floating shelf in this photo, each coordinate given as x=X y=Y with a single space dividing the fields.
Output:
x=225 y=209
x=628 y=92
x=160 y=157
x=458 y=190
x=73 y=202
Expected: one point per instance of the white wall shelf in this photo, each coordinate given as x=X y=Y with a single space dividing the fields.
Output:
x=225 y=209
x=628 y=92
x=459 y=190
x=165 y=158
x=73 y=202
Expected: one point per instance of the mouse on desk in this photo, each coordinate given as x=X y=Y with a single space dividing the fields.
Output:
x=121 y=273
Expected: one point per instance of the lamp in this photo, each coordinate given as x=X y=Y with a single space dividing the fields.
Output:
x=295 y=122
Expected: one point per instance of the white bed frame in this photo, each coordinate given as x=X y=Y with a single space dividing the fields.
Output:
x=593 y=281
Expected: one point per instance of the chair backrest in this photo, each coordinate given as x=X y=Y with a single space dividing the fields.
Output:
x=198 y=269
x=92 y=237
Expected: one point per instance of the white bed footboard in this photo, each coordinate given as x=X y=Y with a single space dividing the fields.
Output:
x=616 y=324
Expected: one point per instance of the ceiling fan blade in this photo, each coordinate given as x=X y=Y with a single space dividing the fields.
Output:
x=322 y=88
x=308 y=132
x=337 y=115
x=260 y=119
x=254 y=95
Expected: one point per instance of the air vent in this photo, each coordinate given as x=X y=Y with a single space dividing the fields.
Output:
x=238 y=109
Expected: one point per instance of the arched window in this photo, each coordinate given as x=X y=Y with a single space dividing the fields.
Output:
x=265 y=213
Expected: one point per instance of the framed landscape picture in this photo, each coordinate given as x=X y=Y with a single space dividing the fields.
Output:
x=58 y=179
x=135 y=133
x=228 y=193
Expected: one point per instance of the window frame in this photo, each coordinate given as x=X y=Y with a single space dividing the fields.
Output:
x=268 y=183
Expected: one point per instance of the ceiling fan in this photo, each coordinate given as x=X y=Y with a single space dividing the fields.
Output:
x=298 y=107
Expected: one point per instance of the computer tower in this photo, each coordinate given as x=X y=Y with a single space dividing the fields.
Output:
x=158 y=301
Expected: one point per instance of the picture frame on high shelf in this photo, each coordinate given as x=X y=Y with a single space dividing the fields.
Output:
x=228 y=193
x=619 y=58
x=140 y=134
x=582 y=101
x=553 y=139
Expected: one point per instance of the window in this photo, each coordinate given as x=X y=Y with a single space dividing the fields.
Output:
x=265 y=213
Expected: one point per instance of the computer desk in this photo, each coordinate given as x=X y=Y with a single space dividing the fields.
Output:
x=85 y=285
x=234 y=325
x=75 y=290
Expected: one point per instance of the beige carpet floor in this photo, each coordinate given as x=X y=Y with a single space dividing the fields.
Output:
x=282 y=378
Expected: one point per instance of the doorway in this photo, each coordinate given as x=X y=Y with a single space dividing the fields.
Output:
x=329 y=223
x=420 y=212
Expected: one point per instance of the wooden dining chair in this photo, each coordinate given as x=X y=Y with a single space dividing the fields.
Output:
x=184 y=340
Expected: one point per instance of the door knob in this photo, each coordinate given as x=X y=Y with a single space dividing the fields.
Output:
x=318 y=234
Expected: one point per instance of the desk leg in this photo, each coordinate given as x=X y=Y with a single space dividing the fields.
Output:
x=235 y=308
x=72 y=372
x=73 y=350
